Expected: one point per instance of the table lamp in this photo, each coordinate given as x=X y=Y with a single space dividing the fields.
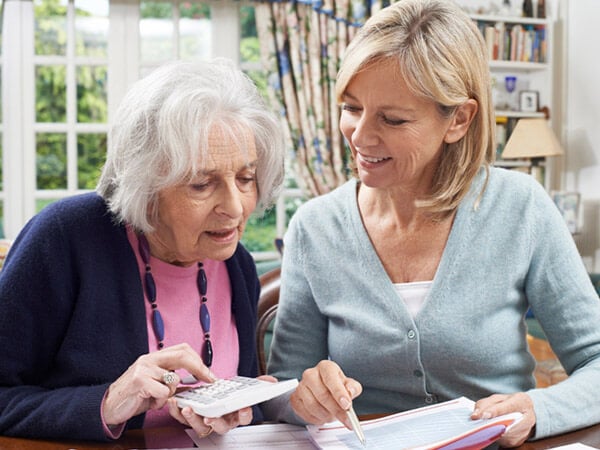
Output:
x=532 y=139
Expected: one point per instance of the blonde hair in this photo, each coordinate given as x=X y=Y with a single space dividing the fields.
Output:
x=160 y=135
x=441 y=56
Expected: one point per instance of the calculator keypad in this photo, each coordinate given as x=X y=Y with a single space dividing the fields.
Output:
x=220 y=389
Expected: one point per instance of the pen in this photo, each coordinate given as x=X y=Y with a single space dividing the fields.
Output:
x=356 y=426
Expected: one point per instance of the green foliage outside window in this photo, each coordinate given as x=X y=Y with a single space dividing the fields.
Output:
x=260 y=232
x=50 y=27
x=50 y=94
x=91 y=155
x=51 y=161
x=92 y=105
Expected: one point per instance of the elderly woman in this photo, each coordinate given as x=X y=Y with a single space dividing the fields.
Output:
x=438 y=254
x=99 y=299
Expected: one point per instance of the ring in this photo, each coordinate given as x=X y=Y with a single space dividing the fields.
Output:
x=169 y=378
x=206 y=433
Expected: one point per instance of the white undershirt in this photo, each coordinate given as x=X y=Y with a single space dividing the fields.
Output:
x=413 y=294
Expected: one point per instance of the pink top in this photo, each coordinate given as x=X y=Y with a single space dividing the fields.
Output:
x=178 y=301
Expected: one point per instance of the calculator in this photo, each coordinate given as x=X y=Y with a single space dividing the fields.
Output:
x=230 y=394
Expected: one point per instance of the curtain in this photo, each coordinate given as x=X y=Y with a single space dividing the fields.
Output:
x=301 y=46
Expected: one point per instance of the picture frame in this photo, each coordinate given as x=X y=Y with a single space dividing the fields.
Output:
x=568 y=203
x=529 y=101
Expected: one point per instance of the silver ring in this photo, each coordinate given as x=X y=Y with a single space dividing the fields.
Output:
x=169 y=378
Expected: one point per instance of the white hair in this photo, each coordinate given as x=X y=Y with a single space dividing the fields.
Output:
x=159 y=135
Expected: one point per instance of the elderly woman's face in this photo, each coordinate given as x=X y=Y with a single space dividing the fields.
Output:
x=206 y=218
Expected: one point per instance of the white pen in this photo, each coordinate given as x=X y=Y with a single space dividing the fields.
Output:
x=356 y=426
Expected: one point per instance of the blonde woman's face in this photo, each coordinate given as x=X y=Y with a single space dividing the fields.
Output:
x=396 y=138
x=206 y=217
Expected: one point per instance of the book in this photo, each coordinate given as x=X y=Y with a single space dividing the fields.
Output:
x=444 y=426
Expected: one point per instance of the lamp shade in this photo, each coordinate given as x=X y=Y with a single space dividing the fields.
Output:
x=532 y=138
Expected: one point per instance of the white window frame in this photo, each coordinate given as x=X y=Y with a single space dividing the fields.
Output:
x=124 y=67
x=18 y=90
x=20 y=127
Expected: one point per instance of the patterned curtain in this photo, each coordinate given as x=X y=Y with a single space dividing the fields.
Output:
x=301 y=46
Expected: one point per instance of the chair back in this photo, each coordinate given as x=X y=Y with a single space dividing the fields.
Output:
x=596 y=281
x=267 y=309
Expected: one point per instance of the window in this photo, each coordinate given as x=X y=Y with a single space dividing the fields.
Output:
x=69 y=74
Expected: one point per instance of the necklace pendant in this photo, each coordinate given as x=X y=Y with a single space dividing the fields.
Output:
x=207 y=352
x=150 y=287
x=201 y=280
x=204 y=318
x=158 y=325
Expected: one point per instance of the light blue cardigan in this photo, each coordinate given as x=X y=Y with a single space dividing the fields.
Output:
x=511 y=252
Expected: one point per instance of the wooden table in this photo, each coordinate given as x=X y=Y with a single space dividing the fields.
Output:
x=548 y=372
x=172 y=437
x=177 y=438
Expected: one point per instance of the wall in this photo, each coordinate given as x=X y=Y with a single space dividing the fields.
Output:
x=581 y=120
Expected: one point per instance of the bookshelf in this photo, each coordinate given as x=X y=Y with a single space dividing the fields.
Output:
x=520 y=59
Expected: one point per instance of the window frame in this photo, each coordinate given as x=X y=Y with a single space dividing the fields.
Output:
x=124 y=67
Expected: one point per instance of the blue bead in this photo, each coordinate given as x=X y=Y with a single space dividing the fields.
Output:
x=204 y=318
x=207 y=353
x=201 y=280
x=150 y=287
x=158 y=325
x=144 y=248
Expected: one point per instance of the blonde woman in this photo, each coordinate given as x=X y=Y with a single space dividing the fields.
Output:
x=408 y=285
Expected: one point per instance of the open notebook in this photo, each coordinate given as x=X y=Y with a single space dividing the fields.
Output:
x=446 y=426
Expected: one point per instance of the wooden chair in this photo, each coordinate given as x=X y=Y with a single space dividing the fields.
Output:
x=267 y=309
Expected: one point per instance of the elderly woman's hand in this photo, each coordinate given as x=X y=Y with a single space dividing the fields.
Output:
x=499 y=404
x=325 y=394
x=203 y=426
x=142 y=387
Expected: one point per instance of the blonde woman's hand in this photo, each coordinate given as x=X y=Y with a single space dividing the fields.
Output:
x=324 y=394
x=499 y=404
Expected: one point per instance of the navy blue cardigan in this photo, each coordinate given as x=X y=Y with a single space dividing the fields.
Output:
x=72 y=319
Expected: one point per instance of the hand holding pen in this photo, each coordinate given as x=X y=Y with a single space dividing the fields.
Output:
x=325 y=394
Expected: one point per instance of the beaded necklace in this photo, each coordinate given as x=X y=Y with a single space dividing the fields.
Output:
x=157 y=321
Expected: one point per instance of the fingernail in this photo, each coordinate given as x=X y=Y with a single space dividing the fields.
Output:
x=345 y=403
x=486 y=415
x=187 y=413
x=189 y=379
